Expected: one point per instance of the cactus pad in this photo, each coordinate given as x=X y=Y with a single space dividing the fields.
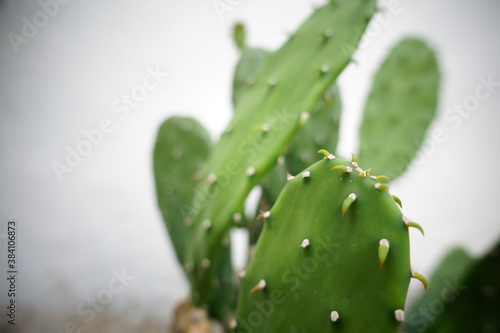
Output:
x=400 y=108
x=315 y=270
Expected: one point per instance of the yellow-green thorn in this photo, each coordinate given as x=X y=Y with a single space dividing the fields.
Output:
x=398 y=201
x=383 y=251
x=368 y=171
x=347 y=203
x=343 y=168
x=381 y=187
x=420 y=278
x=354 y=158
x=327 y=154
x=415 y=225
x=382 y=177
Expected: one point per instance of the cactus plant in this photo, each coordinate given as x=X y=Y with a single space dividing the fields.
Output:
x=182 y=147
x=462 y=287
x=330 y=275
x=332 y=216
x=399 y=108
x=272 y=110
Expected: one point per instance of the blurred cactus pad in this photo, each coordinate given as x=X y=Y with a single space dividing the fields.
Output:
x=329 y=247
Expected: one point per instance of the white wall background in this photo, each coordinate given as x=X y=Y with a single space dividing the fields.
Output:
x=103 y=215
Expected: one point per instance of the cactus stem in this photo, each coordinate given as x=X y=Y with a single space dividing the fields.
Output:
x=383 y=251
x=207 y=224
x=420 y=278
x=306 y=174
x=399 y=315
x=398 y=201
x=261 y=285
x=289 y=176
x=347 y=203
x=250 y=171
x=334 y=316
x=205 y=263
x=305 y=243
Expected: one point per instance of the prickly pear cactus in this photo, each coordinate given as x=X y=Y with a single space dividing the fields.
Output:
x=269 y=114
x=180 y=153
x=333 y=256
x=463 y=296
x=182 y=148
x=400 y=107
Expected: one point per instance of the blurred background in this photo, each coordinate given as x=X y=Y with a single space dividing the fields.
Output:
x=92 y=248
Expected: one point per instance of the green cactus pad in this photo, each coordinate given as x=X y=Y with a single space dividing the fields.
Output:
x=400 y=107
x=463 y=296
x=322 y=130
x=180 y=153
x=239 y=36
x=181 y=150
x=288 y=85
x=244 y=75
x=321 y=271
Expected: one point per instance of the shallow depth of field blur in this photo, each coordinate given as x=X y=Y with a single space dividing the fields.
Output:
x=78 y=230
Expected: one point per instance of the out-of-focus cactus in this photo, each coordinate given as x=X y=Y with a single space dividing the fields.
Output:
x=464 y=296
x=286 y=89
x=335 y=244
x=400 y=108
